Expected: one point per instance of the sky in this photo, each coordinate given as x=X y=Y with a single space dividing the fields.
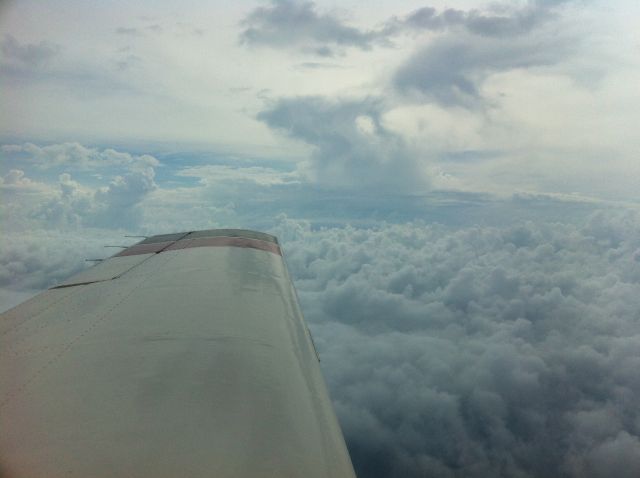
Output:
x=455 y=186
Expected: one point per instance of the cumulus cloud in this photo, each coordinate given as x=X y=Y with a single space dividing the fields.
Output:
x=116 y=205
x=351 y=145
x=16 y=178
x=42 y=258
x=297 y=24
x=75 y=200
x=74 y=155
x=507 y=351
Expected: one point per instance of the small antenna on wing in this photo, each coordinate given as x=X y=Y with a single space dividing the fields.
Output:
x=94 y=260
x=121 y=247
x=144 y=237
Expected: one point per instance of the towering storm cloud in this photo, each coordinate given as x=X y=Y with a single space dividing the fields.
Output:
x=351 y=145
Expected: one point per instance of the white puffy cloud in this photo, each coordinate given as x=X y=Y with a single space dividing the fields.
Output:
x=74 y=155
x=114 y=206
x=41 y=258
x=507 y=351
x=75 y=196
x=15 y=178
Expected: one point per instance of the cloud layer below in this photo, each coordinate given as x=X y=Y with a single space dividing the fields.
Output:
x=481 y=352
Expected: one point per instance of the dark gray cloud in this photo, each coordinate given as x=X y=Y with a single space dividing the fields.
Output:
x=20 y=59
x=30 y=54
x=499 y=20
x=130 y=31
x=451 y=69
x=297 y=24
x=478 y=352
x=351 y=145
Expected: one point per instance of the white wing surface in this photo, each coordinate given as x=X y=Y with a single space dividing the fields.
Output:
x=185 y=355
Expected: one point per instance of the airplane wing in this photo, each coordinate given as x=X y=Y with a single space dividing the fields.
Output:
x=185 y=355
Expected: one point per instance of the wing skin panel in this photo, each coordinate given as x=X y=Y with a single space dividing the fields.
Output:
x=28 y=310
x=152 y=248
x=196 y=362
x=106 y=270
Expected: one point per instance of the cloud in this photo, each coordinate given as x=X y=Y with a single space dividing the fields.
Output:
x=27 y=67
x=451 y=69
x=66 y=202
x=297 y=24
x=129 y=31
x=28 y=263
x=30 y=55
x=74 y=155
x=619 y=456
x=15 y=178
x=114 y=206
x=351 y=145
x=498 y=20
x=261 y=176
x=464 y=49
x=292 y=24
x=41 y=258
x=488 y=351
x=472 y=45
